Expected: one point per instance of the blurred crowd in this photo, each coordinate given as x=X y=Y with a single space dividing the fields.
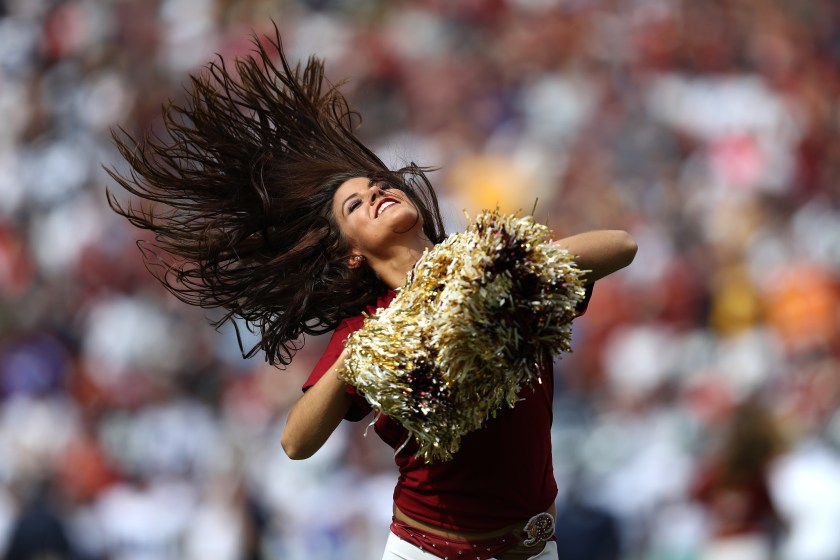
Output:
x=697 y=417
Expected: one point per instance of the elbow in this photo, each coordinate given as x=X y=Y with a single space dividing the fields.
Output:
x=628 y=248
x=620 y=252
x=294 y=449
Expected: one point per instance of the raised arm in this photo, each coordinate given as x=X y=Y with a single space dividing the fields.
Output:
x=315 y=416
x=601 y=252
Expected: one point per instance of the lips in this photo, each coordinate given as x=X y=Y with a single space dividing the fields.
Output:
x=384 y=204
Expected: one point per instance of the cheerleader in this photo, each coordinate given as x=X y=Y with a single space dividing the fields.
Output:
x=264 y=203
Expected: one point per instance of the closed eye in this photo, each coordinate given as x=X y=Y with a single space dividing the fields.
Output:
x=355 y=203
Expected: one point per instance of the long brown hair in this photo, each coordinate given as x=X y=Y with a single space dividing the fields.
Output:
x=237 y=191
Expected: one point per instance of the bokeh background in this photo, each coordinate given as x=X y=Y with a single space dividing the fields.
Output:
x=697 y=417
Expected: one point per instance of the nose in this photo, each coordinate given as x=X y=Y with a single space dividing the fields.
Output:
x=375 y=193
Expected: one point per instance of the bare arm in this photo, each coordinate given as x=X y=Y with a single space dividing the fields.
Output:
x=315 y=416
x=602 y=252
x=318 y=412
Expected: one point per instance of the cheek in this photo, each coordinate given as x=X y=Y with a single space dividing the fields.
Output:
x=356 y=230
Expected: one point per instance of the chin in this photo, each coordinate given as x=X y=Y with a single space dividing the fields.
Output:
x=408 y=222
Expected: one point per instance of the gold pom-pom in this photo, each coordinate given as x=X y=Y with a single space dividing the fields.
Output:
x=478 y=314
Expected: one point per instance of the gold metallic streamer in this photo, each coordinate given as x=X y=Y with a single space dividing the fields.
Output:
x=478 y=314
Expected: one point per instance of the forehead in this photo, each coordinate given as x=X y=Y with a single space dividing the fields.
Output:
x=350 y=186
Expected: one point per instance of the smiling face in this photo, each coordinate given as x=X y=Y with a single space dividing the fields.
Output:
x=375 y=218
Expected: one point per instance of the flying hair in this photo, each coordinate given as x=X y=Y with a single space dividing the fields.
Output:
x=237 y=191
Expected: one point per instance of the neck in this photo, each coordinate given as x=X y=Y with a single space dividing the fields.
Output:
x=394 y=269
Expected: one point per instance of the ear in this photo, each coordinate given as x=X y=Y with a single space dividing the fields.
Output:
x=355 y=261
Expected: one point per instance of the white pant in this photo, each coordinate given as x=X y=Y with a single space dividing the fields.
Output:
x=398 y=549
x=742 y=547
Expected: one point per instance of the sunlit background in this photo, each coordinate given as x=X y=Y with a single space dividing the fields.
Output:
x=698 y=415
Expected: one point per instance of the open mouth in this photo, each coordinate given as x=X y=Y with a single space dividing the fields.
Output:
x=384 y=205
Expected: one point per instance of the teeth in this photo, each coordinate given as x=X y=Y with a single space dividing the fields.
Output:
x=384 y=206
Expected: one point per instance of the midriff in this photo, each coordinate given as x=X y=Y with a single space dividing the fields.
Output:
x=458 y=535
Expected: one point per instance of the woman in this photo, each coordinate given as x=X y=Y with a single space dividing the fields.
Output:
x=263 y=202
